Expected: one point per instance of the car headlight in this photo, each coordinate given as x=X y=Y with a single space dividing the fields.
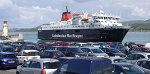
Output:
x=117 y=56
x=4 y=60
x=99 y=56
x=77 y=55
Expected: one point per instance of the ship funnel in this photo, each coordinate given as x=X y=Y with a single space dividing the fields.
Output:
x=66 y=15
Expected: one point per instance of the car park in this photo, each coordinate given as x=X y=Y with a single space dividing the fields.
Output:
x=25 y=55
x=86 y=65
x=8 y=59
x=38 y=66
x=113 y=52
x=51 y=54
x=94 y=51
x=126 y=68
x=133 y=57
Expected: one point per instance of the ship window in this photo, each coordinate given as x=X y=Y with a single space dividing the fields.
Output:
x=57 y=31
x=77 y=31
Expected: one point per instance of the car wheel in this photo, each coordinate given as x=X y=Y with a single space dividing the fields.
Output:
x=17 y=72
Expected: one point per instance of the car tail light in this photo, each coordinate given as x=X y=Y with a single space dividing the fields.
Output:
x=38 y=54
x=27 y=54
x=43 y=71
x=55 y=57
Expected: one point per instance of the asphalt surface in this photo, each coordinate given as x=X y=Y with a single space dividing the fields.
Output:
x=8 y=71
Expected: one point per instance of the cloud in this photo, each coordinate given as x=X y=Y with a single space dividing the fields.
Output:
x=35 y=15
x=83 y=1
x=138 y=12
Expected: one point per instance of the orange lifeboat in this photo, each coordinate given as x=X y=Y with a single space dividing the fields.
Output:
x=84 y=19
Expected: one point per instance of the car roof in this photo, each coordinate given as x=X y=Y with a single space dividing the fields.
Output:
x=45 y=60
x=30 y=50
x=116 y=58
x=122 y=64
x=6 y=53
x=66 y=58
x=144 y=59
x=92 y=58
x=51 y=50
x=143 y=53
x=90 y=47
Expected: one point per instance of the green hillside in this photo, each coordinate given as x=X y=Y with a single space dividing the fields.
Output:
x=140 y=26
x=136 y=26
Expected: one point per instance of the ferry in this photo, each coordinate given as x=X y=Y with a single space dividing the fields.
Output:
x=84 y=27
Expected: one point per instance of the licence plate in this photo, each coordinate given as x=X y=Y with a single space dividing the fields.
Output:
x=11 y=61
x=34 y=58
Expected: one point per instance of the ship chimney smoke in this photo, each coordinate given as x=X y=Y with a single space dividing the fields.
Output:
x=66 y=8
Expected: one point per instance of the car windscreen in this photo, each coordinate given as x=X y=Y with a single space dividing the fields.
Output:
x=58 y=53
x=9 y=56
x=75 y=50
x=132 y=69
x=97 y=50
x=33 y=53
x=119 y=60
x=51 y=65
x=114 y=51
x=8 y=50
x=148 y=56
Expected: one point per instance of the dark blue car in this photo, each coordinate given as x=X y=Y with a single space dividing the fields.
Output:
x=86 y=65
x=8 y=49
x=8 y=60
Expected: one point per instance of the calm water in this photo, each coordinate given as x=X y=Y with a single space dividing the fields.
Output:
x=138 y=37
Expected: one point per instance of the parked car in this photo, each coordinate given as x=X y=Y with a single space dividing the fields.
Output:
x=72 y=51
x=126 y=68
x=103 y=44
x=51 y=54
x=64 y=59
x=93 y=44
x=113 y=52
x=117 y=59
x=119 y=46
x=8 y=59
x=86 y=65
x=81 y=44
x=145 y=63
x=38 y=66
x=54 y=47
x=6 y=48
x=94 y=51
x=133 y=57
x=25 y=55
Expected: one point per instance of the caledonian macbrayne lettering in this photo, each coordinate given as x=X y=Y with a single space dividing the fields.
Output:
x=67 y=35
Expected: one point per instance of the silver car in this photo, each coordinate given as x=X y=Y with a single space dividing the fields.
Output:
x=95 y=51
x=133 y=57
x=38 y=66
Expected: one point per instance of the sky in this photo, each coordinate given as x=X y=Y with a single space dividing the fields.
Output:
x=33 y=13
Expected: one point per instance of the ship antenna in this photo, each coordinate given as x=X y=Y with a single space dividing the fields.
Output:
x=66 y=8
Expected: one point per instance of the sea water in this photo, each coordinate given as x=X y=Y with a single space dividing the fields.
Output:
x=137 y=37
